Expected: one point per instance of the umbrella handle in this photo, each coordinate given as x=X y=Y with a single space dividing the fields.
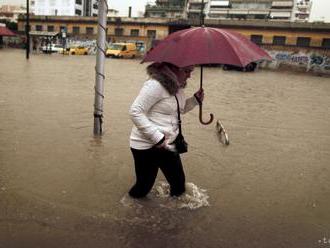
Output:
x=201 y=116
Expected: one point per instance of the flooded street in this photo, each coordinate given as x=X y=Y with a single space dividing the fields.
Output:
x=61 y=187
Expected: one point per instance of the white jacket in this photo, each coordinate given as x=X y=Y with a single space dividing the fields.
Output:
x=154 y=114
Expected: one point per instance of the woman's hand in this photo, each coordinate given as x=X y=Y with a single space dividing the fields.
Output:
x=161 y=143
x=164 y=144
x=199 y=95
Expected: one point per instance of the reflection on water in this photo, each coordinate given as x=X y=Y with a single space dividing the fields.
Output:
x=61 y=185
x=96 y=141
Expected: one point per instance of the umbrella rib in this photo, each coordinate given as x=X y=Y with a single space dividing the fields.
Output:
x=226 y=38
x=241 y=41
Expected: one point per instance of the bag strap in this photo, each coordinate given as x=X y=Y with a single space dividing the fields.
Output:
x=179 y=119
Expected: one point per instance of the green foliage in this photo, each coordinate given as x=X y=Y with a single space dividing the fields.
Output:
x=10 y=25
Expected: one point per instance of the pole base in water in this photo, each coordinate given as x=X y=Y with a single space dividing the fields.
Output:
x=98 y=124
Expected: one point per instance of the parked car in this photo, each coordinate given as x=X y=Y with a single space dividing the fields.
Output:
x=80 y=50
x=248 y=68
x=122 y=50
x=52 y=48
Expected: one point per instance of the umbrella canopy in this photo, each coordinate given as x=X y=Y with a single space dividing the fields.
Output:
x=6 y=32
x=204 y=45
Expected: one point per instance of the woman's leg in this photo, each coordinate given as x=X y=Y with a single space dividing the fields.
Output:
x=145 y=171
x=171 y=166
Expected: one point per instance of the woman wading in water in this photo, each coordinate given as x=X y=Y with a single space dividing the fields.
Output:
x=156 y=126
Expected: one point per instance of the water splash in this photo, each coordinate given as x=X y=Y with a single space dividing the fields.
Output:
x=130 y=202
x=192 y=199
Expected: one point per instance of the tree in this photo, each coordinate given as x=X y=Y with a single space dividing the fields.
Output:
x=10 y=25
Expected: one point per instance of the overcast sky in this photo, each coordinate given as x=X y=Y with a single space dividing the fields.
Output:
x=320 y=9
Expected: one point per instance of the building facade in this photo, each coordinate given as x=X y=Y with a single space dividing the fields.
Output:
x=119 y=29
x=250 y=9
x=64 y=7
x=194 y=7
x=223 y=9
x=11 y=12
x=302 y=10
x=263 y=32
x=166 y=8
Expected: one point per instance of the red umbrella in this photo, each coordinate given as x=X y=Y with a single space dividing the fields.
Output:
x=204 y=45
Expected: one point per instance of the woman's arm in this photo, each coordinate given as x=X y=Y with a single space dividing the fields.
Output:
x=194 y=100
x=191 y=103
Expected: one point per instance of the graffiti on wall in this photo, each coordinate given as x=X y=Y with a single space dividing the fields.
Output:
x=310 y=61
x=319 y=61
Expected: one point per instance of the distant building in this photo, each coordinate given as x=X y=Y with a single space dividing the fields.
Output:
x=9 y=8
x=223 y=9
x=112 y=12
x=11 y=12
x=284 y=34
x=302 y=10
x=166 y=8
x=251 y=9
x=64 y=7
x=194 y=7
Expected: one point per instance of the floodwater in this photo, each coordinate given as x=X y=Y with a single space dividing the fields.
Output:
x=61 y=187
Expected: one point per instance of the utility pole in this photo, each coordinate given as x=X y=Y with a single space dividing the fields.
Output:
x=99 y=73
x=27 y=29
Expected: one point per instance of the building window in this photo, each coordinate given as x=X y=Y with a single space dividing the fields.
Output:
x=279 y=40
x=95 y=6
x=326 y=43
x=78 y=2
x=94 y=15
x=118 y=21
x=38 y=28
x=151 y=33
x=119 y=31
x=78 y=12
x=50 y=28
x=256 y=39
x=89 y=30
x=134 y=32
x=303 y=41
x=62 y=29
x=76 y=30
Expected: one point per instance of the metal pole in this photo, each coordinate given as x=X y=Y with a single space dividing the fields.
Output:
x=201 y=78
x=202 y=24
x=99 y=73
x=202 y=14
x=27 y=29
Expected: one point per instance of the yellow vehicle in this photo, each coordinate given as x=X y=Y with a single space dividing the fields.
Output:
x=122 y=50
x=79 y=50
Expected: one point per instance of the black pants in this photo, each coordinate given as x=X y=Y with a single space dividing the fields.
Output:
x=147 y=163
